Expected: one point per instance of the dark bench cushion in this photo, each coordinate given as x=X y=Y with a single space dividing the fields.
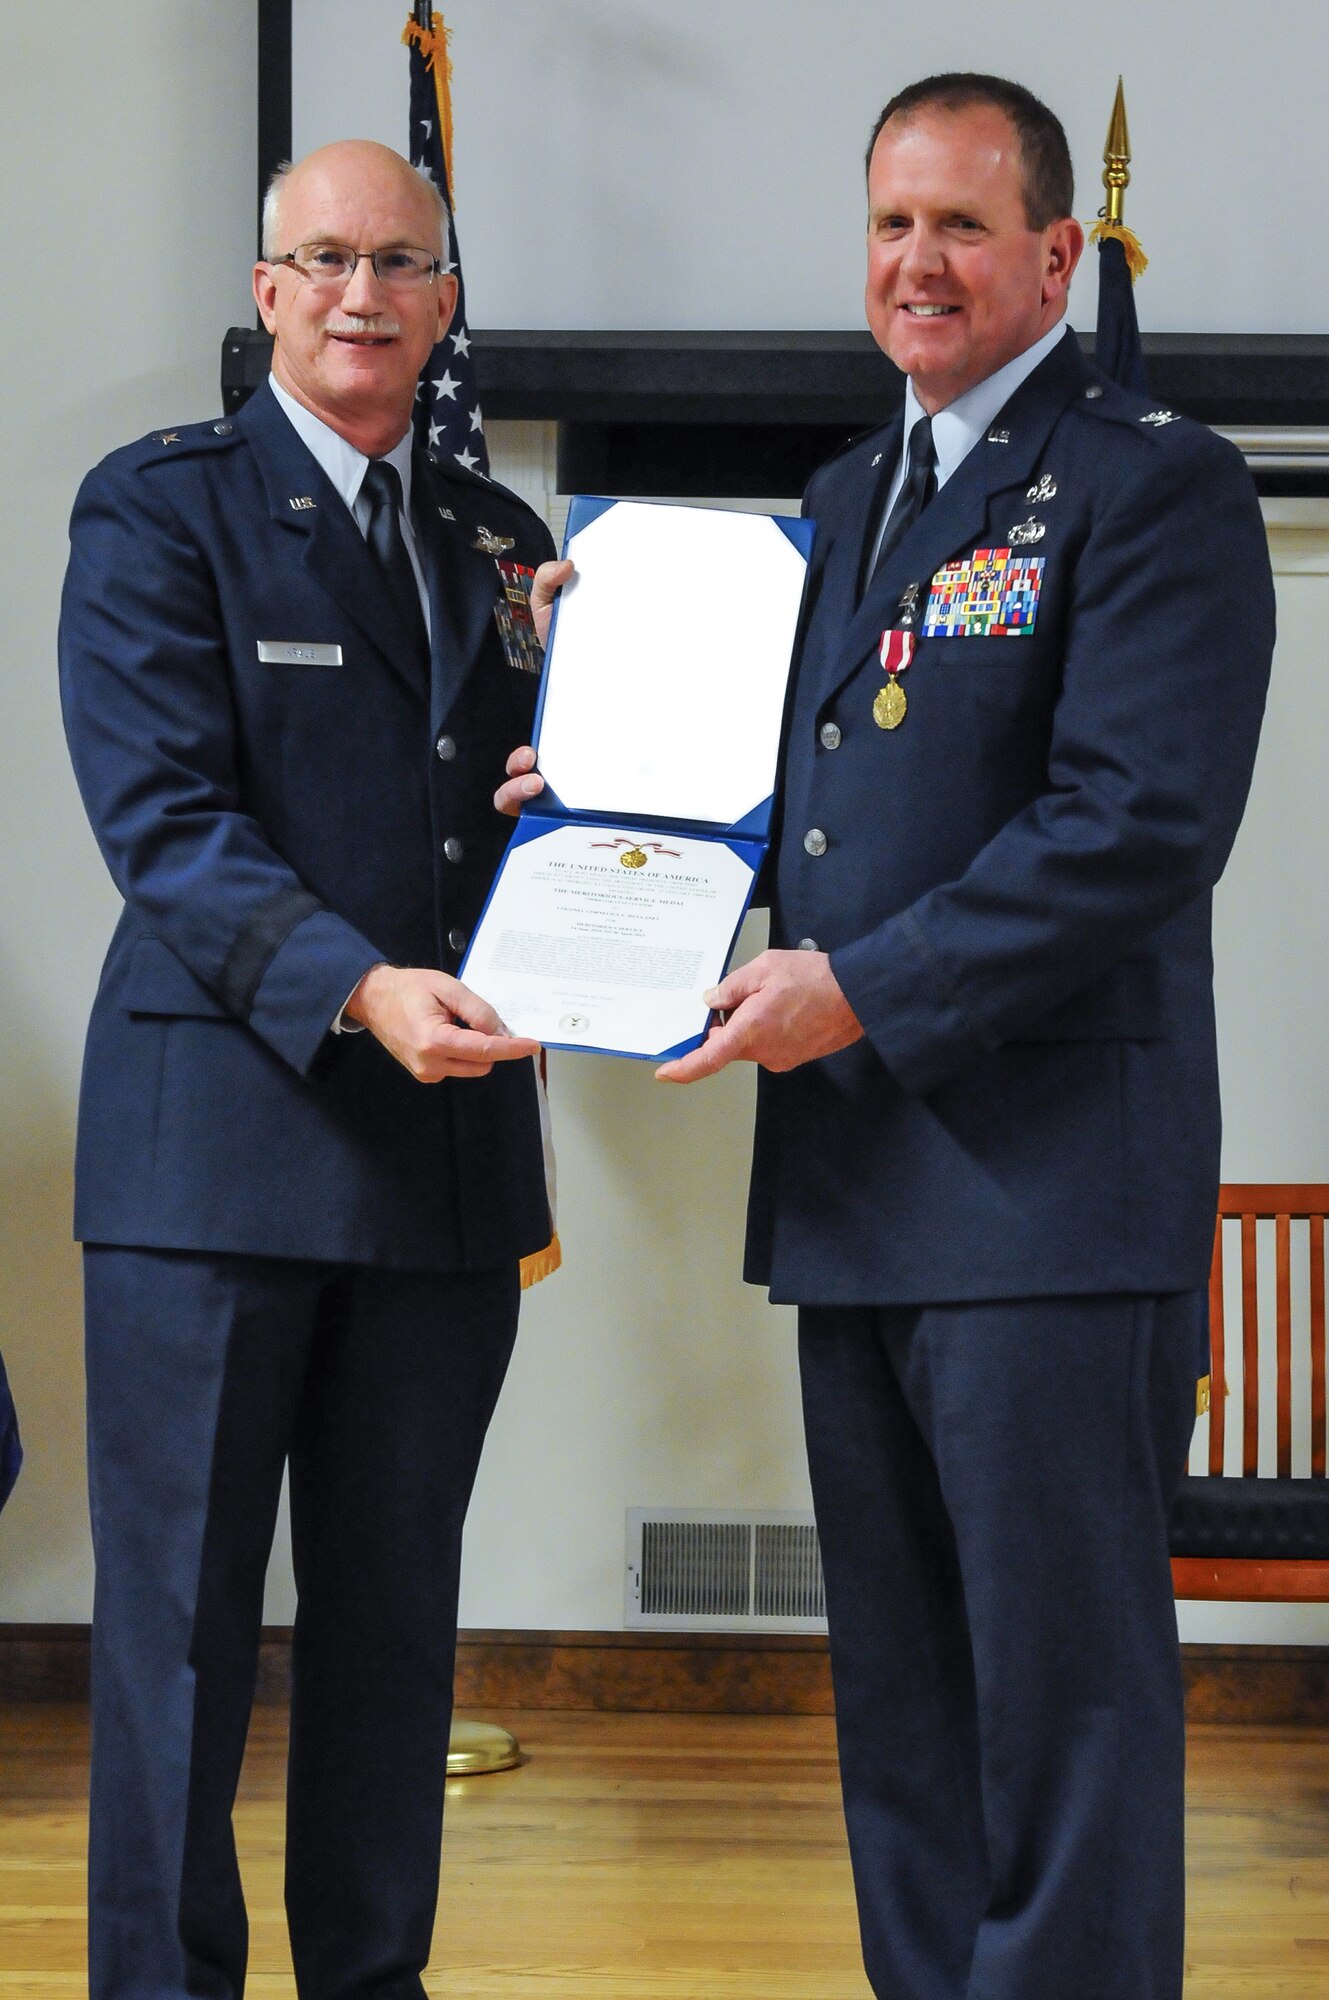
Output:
x=1260 y=1519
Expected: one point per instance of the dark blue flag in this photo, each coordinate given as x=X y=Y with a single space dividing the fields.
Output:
x=1117 y=348
x=11 y=1451
x=447 y=403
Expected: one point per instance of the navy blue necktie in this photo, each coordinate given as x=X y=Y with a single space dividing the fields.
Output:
x=383 y=485
x=920 y=484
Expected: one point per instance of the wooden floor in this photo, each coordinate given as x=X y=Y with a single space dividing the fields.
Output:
x=639 y=1857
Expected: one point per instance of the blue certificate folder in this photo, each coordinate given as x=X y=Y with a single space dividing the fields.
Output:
x=657 y=733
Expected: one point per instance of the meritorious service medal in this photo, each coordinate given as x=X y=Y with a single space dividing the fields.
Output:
x=890 y=707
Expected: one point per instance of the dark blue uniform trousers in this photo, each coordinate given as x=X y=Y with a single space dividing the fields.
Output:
x=991 y=1485
x=205 y=1374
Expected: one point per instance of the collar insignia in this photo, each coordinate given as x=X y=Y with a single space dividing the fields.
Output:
x=301 y=503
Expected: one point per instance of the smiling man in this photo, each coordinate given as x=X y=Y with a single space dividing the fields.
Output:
x=288 y=695
x=1030 y=680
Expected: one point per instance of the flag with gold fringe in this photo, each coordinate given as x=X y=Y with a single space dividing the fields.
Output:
x=447 y=409
x=1117 y=348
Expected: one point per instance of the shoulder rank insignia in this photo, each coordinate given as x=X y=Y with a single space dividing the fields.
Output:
x=1160 y=417
x=166 y=437
x=991 y=594
x=491 y=544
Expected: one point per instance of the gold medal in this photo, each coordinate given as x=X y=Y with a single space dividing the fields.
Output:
x=632 y=858
x=896 y=651
x=888 y=710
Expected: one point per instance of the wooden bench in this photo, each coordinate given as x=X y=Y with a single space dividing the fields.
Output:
x=1261 y=1532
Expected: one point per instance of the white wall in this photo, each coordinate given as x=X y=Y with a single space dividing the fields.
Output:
x=669 y=163
x=646 y=1372
x=127 y=139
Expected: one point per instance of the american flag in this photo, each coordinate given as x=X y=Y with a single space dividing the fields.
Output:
x=447 y=402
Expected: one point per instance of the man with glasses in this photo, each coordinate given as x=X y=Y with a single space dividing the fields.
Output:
x=290 y=681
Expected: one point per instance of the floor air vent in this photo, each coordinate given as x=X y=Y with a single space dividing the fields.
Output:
x=691 y=1571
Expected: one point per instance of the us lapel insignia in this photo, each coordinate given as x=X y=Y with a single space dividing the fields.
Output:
x=1160 y=417
x=992 y=594
x=999 y=437
x=1025 y=532
x=301 y=503
x=491 y=544
x=1046 y=489
x=446 y=514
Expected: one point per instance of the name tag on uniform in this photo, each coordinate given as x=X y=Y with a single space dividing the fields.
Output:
x=991 y=594
x=297 y=653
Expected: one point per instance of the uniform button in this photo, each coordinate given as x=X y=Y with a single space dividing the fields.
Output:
x=456 y=940
x=223 y=430
x=452 y=848
x=446 y=748
x=830 y=735
x=808 y=944
x=1093 y=392
x=814 y=840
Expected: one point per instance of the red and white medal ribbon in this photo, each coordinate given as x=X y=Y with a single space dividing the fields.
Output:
x=897 y=650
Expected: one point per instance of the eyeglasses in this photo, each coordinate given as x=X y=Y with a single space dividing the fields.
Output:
x=332 y=264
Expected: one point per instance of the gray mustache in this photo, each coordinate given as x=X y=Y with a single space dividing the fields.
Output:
x=379 y=324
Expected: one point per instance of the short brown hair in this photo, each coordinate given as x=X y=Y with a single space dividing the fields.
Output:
x=1049 y=178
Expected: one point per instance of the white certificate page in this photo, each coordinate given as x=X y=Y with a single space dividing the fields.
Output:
x=665 y=683
x=600 y=938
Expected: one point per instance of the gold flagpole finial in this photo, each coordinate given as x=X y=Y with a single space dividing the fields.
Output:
x=1116 y=160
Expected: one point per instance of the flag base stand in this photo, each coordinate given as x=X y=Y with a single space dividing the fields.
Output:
x=474 y=1747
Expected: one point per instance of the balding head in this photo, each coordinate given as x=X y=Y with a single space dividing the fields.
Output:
x=349 y=155
x=350 y=348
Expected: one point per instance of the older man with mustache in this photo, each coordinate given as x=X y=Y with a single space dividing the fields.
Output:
x=289 y=691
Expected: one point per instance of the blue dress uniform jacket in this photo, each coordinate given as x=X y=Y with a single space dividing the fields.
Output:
x=276 y=829
x=1015 y=884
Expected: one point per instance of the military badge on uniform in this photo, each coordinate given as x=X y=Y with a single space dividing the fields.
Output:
x=490 y=544
x=1043 y=489
x=512 y=614
x=992 y=594
x=1024 y=532
x=896 y=651
x=1160 y=417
